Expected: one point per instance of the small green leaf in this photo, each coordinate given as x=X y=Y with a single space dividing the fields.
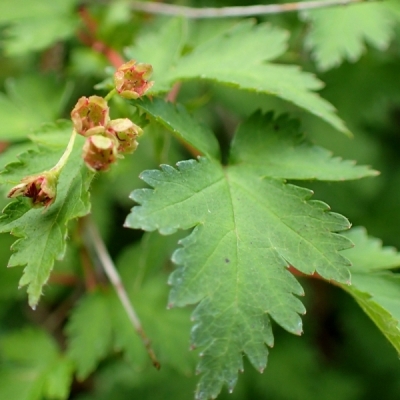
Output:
x=43 y=234
x=89 y=332
x=339 y=33
x=368 y=255
x=249 y=227
x=59 y=379
x=376 y=291
x=182 y=125
x=34 y=368
x=378 y=294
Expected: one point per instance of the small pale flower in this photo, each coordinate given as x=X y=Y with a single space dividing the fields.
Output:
x=99 y=152
x=41 y=188
x=126 y=133
x=132 y=80
x=90 y=115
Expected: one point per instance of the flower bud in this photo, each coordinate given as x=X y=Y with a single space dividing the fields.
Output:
x=41 y=188
x=131 y=79
x=90 y=115
x=99 y=152
x=126 y=133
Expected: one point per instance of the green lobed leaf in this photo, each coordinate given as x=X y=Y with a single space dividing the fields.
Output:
x=250 y=71
x=240 y=57
x=43 y=234
x=35 y=369
x=340 y=33
x=183 y=125
x=249 y=227
x=375 y=290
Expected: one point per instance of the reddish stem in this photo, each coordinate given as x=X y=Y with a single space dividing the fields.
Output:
x=296 y=272
x=89 y=38
x=63 y=279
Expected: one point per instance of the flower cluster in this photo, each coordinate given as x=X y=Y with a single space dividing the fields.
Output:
x=106 y=139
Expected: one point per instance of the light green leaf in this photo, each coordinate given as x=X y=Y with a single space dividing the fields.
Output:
x=249 y=227
x=35 y=368
x=368 y=255
x=18 y=9
x=241 y=46
x=239 y=57
x=242 y=64
x=37 y=25
x=376 y=291
x=29 y=102
x=43 y=234
x=339 y=33
x=48 y=143
x=89 y=332
x=183 y=125
x=378 y=294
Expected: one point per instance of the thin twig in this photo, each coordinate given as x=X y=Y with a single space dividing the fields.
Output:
x=239 y=11
x=93 y=240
